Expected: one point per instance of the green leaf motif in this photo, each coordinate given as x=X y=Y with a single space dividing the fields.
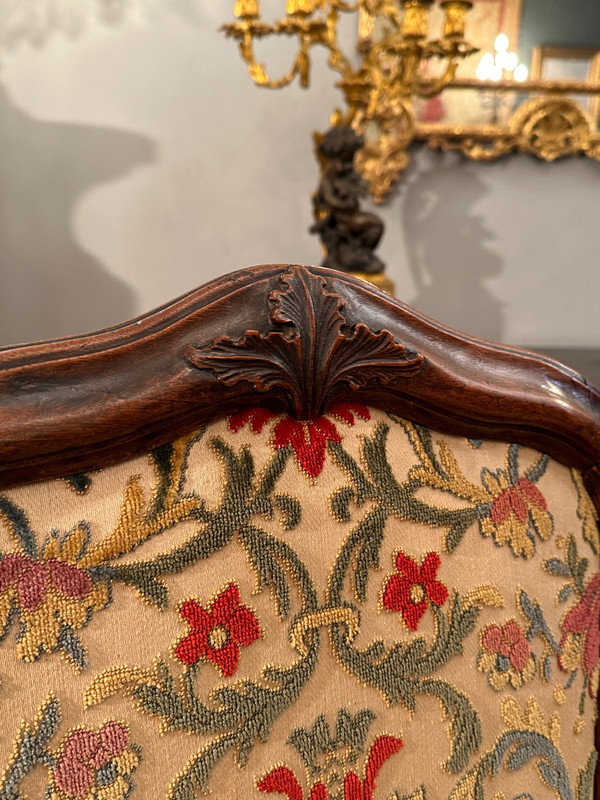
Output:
x=340 y=503
x=31 y=749
x=585 y=779
x=291 y=511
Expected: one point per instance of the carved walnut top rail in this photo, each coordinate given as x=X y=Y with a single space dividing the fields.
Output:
x=290 y=338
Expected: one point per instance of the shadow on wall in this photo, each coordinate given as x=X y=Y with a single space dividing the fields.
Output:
x=20 y=23
x=49 y=285
x=448 y=248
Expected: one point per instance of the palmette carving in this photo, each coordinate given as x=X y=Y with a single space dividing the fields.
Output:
x=125 y=391
x=308 y=355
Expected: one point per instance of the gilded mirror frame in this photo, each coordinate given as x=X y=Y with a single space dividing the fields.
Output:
x=559 y=117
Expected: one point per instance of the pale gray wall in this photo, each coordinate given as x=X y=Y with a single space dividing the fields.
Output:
x=137 y=161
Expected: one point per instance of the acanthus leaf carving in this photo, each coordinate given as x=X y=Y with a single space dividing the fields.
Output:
x=308 y=354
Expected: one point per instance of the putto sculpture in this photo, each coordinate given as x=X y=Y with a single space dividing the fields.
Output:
x=348 y=234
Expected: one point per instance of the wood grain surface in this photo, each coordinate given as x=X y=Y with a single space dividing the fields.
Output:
x=291 y=338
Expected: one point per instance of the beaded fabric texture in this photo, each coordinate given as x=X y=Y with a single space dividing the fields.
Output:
x=351 y=607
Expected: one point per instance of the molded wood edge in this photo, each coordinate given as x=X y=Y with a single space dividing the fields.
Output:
x=294 y=339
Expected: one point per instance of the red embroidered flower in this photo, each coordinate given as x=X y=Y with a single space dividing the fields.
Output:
x=383 y=747
x=345 y=412
x=308 y=437
x=282 y=780
x=219 y=633
x=580 y=641
x=410 y=590
x=257 y=417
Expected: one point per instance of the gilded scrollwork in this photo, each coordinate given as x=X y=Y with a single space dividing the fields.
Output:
x=384 y=158
x=394 y=47
x=549 y=127
x=380 y=94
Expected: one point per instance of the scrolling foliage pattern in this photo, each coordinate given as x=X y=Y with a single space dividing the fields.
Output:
x=52 y=586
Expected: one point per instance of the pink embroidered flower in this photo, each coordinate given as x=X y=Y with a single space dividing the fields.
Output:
x=218 y=634
x=282 y=780
x=309 y=437
x=95 y=765
x=518 y=500
x=411 y=590
x=580 y=641
x=505 y=655
x=32 y=579
x=48 y=594
x=514 y=509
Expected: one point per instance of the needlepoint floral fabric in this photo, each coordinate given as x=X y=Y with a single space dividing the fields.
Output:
x=351 y=607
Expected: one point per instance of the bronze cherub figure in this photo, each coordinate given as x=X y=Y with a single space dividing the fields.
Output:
x=348 y=234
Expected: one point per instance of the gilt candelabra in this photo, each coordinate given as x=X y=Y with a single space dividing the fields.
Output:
x=395 y=54
x=366 y=147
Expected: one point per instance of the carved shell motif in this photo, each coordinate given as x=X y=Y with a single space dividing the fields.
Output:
x=310 y=352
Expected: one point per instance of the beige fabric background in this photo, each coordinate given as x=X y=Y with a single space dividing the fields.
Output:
x=132 y=632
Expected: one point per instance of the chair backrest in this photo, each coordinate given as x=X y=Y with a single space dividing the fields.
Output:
x=288 y=536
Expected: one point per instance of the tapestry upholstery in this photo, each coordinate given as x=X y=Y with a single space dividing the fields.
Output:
x=350 y=607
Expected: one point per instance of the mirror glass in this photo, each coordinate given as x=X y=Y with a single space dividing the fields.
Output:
x=520 y=39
